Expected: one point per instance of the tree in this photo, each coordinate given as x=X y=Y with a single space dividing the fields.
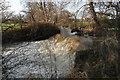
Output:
x=94 y=16
x=51 y=12
x=4 y=10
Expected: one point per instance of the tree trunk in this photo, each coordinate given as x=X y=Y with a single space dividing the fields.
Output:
x=94 y=16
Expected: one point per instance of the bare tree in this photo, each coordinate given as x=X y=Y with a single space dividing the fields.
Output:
x=4 y=7
x=94 y=16
x=4 y=12
x=51 y=12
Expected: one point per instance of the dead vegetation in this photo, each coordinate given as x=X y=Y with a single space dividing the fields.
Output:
x=100 y=62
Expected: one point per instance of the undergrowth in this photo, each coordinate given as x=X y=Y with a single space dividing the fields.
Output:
x=33 y=32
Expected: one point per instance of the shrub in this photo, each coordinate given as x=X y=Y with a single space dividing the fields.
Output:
x=33 y=32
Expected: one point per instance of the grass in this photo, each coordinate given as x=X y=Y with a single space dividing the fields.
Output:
x=77 y=24
x=111 y=29
x=83 y=23
x=5 y=26
x=87 y=23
